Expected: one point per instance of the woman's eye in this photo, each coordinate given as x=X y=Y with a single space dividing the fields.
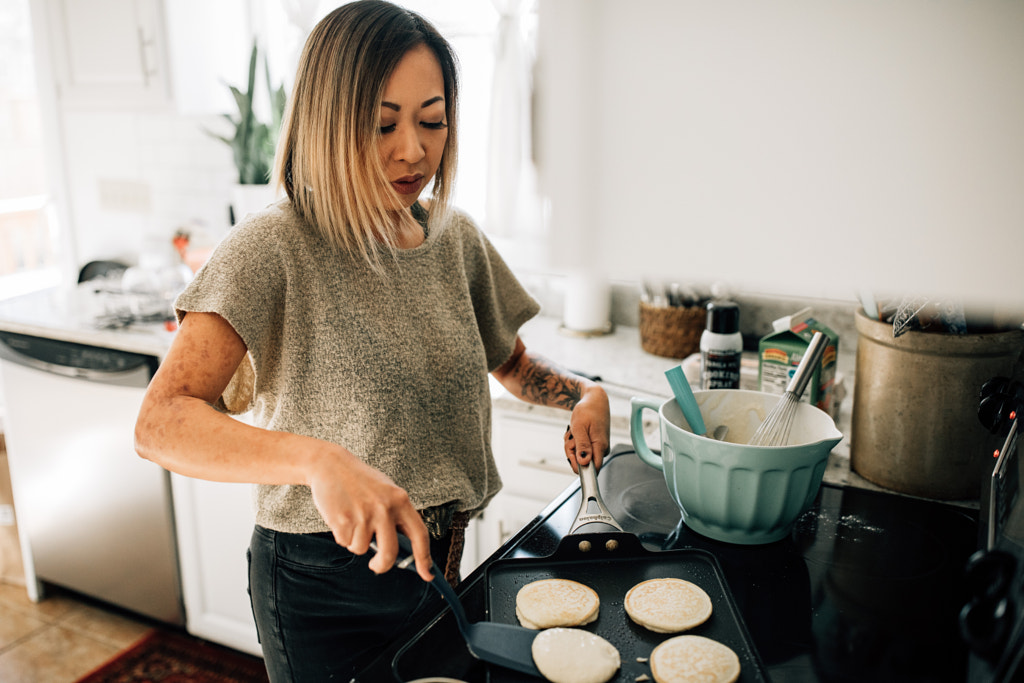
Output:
x=387 y=129
x=438 y=125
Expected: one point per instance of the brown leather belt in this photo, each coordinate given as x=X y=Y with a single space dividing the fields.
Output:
x=460 y=520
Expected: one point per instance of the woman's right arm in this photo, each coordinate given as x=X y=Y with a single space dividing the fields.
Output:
x=179 y=429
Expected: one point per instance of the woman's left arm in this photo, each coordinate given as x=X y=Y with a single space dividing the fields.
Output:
x=534 y=379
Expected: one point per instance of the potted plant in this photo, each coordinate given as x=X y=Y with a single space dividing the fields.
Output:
x=253 y=142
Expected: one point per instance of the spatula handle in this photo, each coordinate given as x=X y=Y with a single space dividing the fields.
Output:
x=408 y=562
x=591 y=492
x=686 y=400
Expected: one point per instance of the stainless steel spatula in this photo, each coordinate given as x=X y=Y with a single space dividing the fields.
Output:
x=502 y=644
x=596 y=521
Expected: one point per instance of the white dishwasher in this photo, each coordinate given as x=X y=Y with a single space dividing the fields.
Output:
x=94 y=516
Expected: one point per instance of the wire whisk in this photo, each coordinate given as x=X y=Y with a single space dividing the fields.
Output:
x=774 y=431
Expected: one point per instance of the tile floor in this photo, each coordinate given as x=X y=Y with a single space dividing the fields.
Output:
x=61 y=638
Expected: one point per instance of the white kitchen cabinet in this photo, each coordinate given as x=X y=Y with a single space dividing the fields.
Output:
x=530 y=454
x=214 y=523
x=107 y=54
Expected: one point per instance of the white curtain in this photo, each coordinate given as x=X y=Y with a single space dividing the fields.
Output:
x=513 y=205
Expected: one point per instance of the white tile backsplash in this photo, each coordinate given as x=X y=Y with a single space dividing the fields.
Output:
x=188 y=174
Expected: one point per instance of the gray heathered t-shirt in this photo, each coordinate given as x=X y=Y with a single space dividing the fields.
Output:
x=393 y=368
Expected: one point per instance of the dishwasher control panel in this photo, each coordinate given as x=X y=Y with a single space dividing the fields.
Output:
x=72 y=359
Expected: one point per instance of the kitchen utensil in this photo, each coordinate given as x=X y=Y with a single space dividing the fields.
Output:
x=868 y=303
x=684 y=397
x=599 y=520
x=675 y=294
x=720 y=432
x=774 y=431
x=728 y=490
x=502 y=644
x=611 y=564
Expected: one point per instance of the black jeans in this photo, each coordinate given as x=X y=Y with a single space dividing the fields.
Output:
x=320 y=610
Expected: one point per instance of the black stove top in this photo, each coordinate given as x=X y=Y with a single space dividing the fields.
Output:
x=867 y=587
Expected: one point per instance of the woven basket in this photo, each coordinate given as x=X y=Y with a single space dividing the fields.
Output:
x=672 y=332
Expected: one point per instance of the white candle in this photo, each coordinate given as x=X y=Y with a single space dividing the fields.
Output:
x=588 y=303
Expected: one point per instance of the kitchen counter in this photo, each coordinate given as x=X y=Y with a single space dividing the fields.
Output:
x=70 y=313
x=626 y=370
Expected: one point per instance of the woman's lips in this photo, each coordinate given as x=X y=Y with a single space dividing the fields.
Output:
x=409 y=184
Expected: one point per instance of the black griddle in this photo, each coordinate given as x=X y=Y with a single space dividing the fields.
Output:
x=611 y=564
x=867 y=587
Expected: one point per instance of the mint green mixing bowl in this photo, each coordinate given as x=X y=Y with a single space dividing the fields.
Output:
x=728 y=490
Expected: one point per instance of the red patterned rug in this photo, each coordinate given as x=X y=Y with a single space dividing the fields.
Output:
x=164 y=657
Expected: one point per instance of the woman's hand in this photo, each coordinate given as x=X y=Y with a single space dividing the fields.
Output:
x=360 y=504
x=535 y=380
x=588 y=434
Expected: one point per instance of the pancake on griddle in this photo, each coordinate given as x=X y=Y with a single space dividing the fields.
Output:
x=694 y=659
x=572 y=655
x=667 y=605
x=556 y=602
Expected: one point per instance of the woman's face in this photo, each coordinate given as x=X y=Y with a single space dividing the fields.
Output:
x=414 y=128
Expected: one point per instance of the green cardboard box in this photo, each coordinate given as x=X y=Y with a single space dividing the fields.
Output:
x=779 y=354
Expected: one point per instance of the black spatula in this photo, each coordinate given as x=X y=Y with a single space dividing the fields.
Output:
x=501 y=644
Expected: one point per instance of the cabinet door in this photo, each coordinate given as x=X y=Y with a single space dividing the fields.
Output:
x=530 y=456
x=471 y=557
x=214 y=524
x=108 y=53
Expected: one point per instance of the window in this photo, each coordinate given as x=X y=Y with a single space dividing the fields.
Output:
x=28 y=228
x=495 y=183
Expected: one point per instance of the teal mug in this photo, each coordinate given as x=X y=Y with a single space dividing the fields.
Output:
x=728 y=490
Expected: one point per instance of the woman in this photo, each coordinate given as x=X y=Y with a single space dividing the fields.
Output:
x=358 y=325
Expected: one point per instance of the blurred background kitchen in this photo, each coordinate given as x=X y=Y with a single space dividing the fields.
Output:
x=623 y=156
x=801 y=150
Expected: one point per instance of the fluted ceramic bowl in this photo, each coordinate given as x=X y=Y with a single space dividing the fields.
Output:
x=728 y=490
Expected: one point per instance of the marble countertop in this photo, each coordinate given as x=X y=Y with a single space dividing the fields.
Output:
x=70 y=314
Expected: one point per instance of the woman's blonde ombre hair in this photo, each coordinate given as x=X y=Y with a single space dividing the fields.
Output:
x=327 y=155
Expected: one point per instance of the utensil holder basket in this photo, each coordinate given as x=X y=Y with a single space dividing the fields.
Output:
x=671 y=331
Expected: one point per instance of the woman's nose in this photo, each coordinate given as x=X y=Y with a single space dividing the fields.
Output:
x=408 y=146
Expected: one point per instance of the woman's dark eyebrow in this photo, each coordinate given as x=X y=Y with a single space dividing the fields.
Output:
x=397 y=107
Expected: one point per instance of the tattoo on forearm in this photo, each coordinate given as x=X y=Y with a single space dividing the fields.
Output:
x=544 y=384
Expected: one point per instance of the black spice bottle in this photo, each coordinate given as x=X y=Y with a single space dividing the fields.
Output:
x=721 y=347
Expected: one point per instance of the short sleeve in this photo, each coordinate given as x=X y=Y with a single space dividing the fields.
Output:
x=243 y=282
x=501 y=303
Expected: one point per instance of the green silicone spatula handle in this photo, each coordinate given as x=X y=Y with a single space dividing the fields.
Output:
x=686 y=400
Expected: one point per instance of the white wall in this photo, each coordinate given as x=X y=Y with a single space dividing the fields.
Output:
x=135 y=174
x=793 y=146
